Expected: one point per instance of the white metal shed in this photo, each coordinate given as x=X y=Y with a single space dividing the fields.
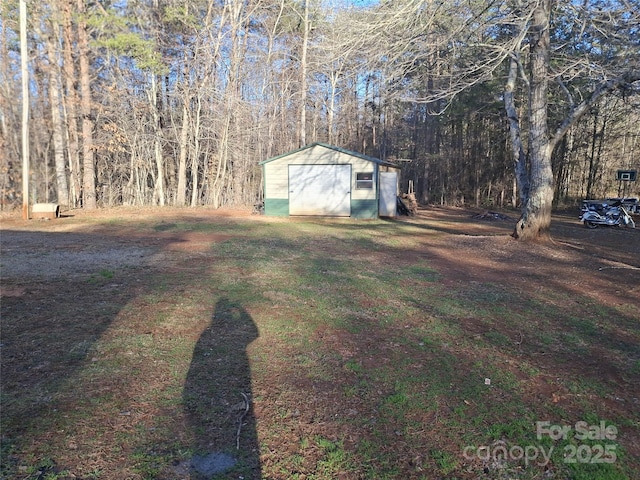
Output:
x=321 y=179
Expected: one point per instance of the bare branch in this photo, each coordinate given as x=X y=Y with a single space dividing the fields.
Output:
x=600 y=91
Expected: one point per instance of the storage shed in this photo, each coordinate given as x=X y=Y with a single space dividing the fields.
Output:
x=322 y=179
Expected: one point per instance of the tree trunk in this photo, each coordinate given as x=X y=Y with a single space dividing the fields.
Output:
x=596 y=166
x=303 y=76
x=195 y=153
x=70 y=101
x=517 y=149
x=88 y=162
x=181 y=192
x=62 y=188
x=535 y=220
x=158 y=189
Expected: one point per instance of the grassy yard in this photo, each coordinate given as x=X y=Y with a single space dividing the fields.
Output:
x=316 y=349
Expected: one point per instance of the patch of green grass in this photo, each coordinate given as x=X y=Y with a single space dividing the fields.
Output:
x=497 y=338
x=148 y=464
x=445 y=461
x=108 y=274
x=354 y=366
x=103 y=275
x=514 y=428
x=7 y=450
x=163 y=227
x=44 y=469
x=424 y=273
x=377 y=462
x=335 y=459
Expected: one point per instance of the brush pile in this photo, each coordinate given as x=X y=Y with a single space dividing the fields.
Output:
x=407 y=204
x=491 y=216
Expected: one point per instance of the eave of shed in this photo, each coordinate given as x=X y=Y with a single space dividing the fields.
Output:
x=337 y=149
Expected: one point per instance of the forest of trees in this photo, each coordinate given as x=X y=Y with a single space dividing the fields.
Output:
x=174 y=102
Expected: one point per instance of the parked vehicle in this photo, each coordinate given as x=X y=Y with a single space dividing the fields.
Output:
x=631 y=204
x=604 y=212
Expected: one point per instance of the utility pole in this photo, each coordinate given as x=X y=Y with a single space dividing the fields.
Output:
x=24 y=67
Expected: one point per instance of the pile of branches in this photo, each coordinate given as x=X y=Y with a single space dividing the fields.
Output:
x=407 y=204
x=491 y=216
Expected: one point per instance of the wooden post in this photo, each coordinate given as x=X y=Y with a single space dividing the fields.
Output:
x=24 y=67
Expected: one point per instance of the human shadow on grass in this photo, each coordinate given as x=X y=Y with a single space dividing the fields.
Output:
x=217 y=398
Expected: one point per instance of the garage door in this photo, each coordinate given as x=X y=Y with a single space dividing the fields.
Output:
x=320 y=190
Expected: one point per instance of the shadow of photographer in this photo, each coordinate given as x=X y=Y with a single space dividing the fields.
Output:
x=217 y=398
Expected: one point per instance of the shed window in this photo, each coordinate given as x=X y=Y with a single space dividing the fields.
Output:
x=364 y=180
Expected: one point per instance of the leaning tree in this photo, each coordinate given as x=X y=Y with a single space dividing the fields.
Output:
x=575 y=52
x=595 y=53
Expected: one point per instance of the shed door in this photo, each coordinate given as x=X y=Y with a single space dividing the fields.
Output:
x=388 y=194
x=320 y=190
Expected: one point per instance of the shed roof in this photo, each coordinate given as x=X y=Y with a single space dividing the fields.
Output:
x=337 y=149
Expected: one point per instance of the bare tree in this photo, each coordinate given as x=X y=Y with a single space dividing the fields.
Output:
x=539 y=187
x=306 y=29
x=56 y=107
x=71 y=101
x=89 y=200
x=454 y=47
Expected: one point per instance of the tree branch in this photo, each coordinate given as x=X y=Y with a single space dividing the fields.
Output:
x=601 y=90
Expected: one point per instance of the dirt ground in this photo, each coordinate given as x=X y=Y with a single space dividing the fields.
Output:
x=587 y=255
x=603 y=263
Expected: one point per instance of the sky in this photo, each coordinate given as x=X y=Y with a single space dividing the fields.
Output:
x=349 y=3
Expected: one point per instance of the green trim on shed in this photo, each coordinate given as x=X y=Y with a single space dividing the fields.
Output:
x=364 y=208
x=276 y=207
